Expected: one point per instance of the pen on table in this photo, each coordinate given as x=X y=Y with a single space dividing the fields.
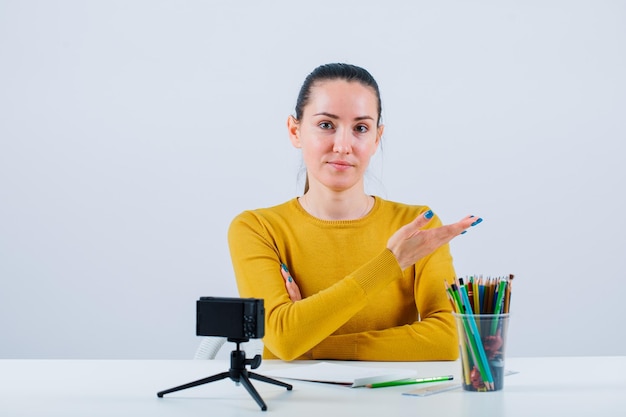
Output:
x=410 y=381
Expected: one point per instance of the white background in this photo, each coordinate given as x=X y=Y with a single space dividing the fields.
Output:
x=132 y=132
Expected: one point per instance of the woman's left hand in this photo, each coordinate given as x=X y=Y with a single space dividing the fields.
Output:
x=290 y=284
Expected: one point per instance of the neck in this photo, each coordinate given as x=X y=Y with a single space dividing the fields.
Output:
x=337 y=206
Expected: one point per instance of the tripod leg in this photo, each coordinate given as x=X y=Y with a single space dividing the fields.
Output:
x=215 y=377
x=269 y=380
x=243 y=378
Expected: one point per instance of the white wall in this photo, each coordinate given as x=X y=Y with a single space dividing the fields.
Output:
x=132 y=132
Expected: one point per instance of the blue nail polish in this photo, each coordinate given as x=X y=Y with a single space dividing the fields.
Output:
x=477 y=221
x=463 y=232
x=284 y=267
x=428 y=214
x=289 y=279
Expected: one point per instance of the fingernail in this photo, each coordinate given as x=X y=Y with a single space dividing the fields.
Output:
x=463 y=232
x=289 y=279
x=428 y=214
x=284 y=267
x=477 y=221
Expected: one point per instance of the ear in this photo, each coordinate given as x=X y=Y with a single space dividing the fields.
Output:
x=379 y=136
x=293 y=127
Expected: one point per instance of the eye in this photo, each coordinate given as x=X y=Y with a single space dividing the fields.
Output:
x=325 y=125
x=361 y=129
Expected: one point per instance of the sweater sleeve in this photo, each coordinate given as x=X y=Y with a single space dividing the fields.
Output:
x=294 y=329
x=433 y=337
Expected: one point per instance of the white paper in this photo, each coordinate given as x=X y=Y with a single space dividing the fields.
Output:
x=353 y=376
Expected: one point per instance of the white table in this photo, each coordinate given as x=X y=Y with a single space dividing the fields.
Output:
x=550 y=386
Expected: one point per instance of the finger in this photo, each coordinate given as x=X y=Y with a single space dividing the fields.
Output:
x=294 y=293
x=469 y=221
x=290 y=285
x=419 y=222
x=285 y=273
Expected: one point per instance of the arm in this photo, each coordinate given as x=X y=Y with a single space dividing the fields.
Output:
x=295 y=328
x=433 y=337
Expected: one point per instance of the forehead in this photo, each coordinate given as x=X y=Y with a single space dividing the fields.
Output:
x=341 y=96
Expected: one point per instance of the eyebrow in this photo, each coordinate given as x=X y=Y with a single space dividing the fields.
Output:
x=333 y=116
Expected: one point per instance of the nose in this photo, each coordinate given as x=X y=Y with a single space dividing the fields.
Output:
x=343 y=141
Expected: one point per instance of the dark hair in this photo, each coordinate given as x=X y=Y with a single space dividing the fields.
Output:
x=336 y=71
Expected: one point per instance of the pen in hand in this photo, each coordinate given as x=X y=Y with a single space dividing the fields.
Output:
x=410 y=381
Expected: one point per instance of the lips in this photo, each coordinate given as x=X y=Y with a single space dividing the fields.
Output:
x=340 y=164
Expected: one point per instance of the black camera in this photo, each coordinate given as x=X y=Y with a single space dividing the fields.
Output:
x=239 y=320
x=233 y=318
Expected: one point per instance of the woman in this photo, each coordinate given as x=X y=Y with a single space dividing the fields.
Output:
x=345 y=275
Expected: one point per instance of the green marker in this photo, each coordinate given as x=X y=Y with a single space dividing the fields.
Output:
x=410 y=381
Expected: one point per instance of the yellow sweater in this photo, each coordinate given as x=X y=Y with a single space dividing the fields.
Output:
x=357 y=304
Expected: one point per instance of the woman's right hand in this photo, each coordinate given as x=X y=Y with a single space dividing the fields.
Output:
x=410 y=243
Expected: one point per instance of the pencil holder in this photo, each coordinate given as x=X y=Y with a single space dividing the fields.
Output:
x=482 y=344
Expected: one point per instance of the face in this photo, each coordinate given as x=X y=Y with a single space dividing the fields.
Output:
x=337 y=133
